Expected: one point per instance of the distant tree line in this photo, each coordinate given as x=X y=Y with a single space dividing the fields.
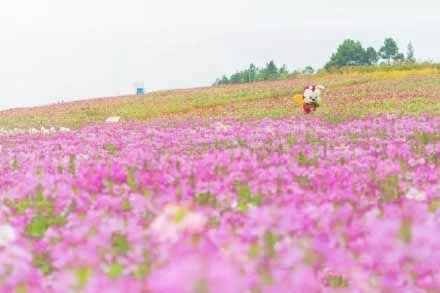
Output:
x=349 y=53
x=352 y=53
x=253 y=74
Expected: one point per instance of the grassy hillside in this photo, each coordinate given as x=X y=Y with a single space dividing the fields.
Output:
x=351 y=93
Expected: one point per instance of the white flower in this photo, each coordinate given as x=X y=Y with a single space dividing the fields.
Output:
x=7 y=235
x=415 y=194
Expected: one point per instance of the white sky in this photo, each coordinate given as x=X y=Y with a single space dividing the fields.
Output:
x=63 y=49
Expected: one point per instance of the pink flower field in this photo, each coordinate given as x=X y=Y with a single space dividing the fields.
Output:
x=270 y=205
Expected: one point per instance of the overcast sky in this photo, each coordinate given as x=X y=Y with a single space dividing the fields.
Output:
x=63 y=49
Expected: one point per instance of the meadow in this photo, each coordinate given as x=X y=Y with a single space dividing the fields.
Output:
x=228 y=189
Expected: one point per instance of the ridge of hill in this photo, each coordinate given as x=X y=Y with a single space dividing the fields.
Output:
x=349 y=94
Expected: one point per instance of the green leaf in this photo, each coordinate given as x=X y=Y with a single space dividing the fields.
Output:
x=126 y=205
x=83 y=276
x=43 y=263
x=405 y=233
x=115 y=270
x=270 y=240
x=244 y=192
x=254 y=250
x=434 y=205
x=38 y=226
x=120 y=244
x=72 y=164
x=180 y=215
x=390 y=188
x=131 y=178
x=15 y=164
x=206 y=199
x=112 y=149
x=337 y=281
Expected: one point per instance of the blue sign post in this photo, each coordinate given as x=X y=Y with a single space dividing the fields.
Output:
x=139 y=86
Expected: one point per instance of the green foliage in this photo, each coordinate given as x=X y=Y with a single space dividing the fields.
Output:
x=22 y=205
x=426 y=137
x=43 y=262
x=37 y=227
x=254 y=250
x=72 y=164
x=371 y=56
x=405 y=233
x=131 y=178
x=304 y=161
x=399 y=58
x=44 y=218
x=206 y=199
x=434 y=205
x=15 y=164
x=308 y=70
x=246 y=198
x=303 y=181
x=83 y=276
x=351 y=53
x=390 y=188
x=112 y=149
x=270 y=72
x=252 y=74
x=40 y=223
x=335 y=281
x=291 y=139
x=115 y=270
x=389 y=50
x=126 y=205
x=270 y=241
x=120 y=244
x=180 y=216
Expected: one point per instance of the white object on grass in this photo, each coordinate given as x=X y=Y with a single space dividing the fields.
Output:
x=113 y=119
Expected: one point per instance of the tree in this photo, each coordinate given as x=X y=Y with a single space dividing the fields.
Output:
x=252 y=72
x=235 y=78
x=283 y=70
x=399 y=58
x=389 y=50
x=410 y=54
x=308 y=70
x=271 y=71
x=371 y=56
x=349 y=53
